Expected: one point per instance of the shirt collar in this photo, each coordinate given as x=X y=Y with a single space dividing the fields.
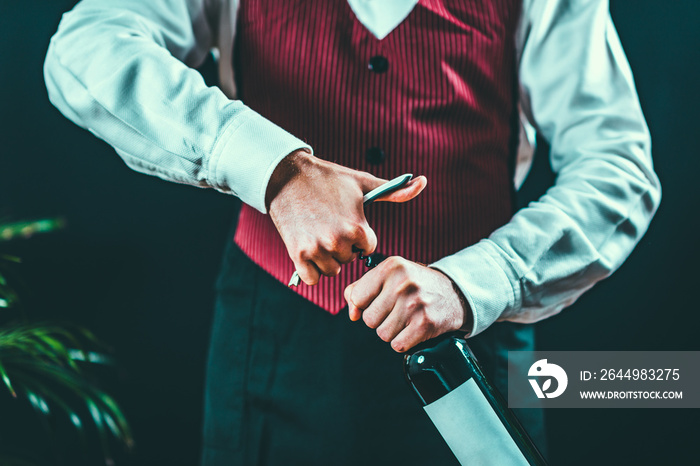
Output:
x=381 y=17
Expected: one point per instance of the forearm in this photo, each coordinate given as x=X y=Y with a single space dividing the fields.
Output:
x=552 y=251
x=582 y=99
x=121 y=71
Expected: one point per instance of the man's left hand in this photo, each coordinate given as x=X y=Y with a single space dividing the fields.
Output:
x=407 y=303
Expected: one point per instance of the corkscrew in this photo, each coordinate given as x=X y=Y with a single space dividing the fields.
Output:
x=372 y=259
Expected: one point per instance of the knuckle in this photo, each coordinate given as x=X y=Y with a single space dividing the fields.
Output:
x=364 y=237
x=355 y=231
x=318 y=248
x=298 y=257
x=371 y=237
x=357 y=295
x=334 y=243
x=307 y=250
x=390 y=263
x=425 y=324
x=396 y=263
x=352 y=294
x=409 y=287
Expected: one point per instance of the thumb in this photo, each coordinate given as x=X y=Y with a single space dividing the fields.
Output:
x=407 y=192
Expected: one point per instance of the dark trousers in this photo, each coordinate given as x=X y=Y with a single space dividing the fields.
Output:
x=288 y=383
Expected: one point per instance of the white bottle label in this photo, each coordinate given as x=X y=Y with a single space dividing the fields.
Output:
x=472 y=429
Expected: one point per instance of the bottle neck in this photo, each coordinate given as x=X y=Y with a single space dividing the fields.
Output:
x=430 y=368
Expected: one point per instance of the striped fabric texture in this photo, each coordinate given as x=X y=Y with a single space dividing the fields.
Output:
x=435 y=97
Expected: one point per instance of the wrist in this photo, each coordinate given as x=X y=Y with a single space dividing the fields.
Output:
x=468 y=323
x=467 y=314
x=286 y=171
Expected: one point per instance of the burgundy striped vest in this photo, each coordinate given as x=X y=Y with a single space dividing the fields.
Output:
x=435 y=97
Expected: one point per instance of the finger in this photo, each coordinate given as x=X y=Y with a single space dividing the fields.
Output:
x=393 y=324
x=307 y=271
x=326 y=265
x=380 y=308
x=365 y=239
x=345 y=256
x=361 y=293
x=409 y=337
x=367 y=181
x=353 y=311
x=407 y=192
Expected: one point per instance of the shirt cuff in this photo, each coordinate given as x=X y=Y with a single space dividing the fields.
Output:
x=487 y=281
x=246 y=154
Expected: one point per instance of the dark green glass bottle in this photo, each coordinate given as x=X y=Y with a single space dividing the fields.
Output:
x=469 y=412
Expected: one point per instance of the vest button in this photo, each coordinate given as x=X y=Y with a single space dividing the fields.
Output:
x=375 y=155
x=378 y=64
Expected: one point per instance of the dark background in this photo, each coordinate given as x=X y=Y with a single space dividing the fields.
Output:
x=138 y=259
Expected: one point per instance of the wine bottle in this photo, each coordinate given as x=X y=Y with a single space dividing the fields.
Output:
x=467 y=410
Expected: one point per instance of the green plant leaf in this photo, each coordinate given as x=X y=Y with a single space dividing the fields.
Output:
x=122 y=429
x=37 y=357
x=90 y=356
x=34 y=385
x=42 y=362
x=38 y=402
x=6 y=379
x=98 y=418
x=26 y=229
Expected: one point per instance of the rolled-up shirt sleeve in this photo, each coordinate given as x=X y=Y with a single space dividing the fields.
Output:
x=576 y=88
x=123 y=70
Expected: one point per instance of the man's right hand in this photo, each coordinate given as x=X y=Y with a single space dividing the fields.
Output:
x=317 y=208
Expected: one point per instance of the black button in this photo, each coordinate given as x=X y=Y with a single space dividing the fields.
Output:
x=378 y=64
x=375 y=155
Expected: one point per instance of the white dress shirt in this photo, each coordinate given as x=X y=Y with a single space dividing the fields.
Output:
x=122 y=71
